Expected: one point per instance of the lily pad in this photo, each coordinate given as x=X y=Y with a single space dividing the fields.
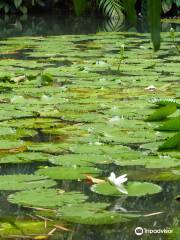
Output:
x=80 y=159
x=47 y=198
x=25 y=157
x=92 y=214
x=22 y=182
x=6 y=145
x=134 y=189
x=68 y=173
x=6 y=131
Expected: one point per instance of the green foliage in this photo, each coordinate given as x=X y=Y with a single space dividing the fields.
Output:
x=172 y=124
x=80 y=6
x=20 y=5
x=171 y=143
x=167 y=4
x=133 y=188
x=87 y=113
x=154 y=12
x=68 y=173
x=111 y=8
x=162 y=113
x=129 y=6
x=24 y=227
x=24 y=182
x=47 y=198
x=92 y=213
x=8 y=145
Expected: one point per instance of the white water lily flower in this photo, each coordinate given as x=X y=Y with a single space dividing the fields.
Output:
x=151 y=88
x=118 y=182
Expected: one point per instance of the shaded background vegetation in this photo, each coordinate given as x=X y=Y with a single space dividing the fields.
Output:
x=78 y=7
x=150 y=11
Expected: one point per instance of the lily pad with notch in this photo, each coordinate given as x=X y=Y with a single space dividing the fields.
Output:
x=133 y=188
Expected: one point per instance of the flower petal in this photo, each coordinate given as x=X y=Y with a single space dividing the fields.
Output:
x=122 y=189
x=112 y=178
x=121 y=179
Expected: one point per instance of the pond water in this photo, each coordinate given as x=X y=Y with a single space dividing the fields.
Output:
x=77 y=103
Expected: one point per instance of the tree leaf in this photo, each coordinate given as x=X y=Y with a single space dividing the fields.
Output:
x=154 y=12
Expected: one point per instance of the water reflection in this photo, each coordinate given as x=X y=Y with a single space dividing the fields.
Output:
x=56 y=25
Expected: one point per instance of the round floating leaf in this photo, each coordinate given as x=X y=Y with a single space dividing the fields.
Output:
x=47 y=147
x=133 y=188
x=93 y=214
x=48 y=198
x=23 y=182
x=165 y=162
x=25 y=157
x=80 y=159
x=6 y=145
x=6 y=131
x=162 y=113
x=68 y=173
x=96 y=149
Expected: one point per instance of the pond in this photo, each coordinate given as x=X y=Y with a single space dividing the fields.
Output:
x=77 y=104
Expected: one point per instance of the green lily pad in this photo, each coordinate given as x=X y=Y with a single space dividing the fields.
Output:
x=134 y=189
x=92 y=214
x=6 y=145
x=80 y=159
x=47 y=198
x=25 y=157
x=22 y=182
x=6 y=131
x=68 y=173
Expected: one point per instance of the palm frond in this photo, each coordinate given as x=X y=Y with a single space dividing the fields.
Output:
x=111 y=8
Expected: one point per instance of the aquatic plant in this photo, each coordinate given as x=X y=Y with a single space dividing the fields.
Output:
x=73 y=119
x=118 y=182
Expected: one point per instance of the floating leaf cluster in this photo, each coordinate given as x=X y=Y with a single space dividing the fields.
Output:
x=71 y=112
